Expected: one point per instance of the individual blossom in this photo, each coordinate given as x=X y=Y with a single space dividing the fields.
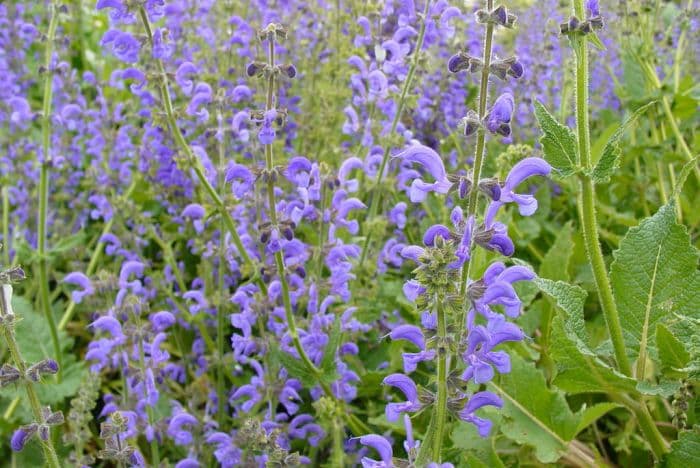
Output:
x=476 y=402
x=410 y=391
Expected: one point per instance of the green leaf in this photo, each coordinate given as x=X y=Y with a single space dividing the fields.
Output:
x=534 y=414
x=480 y=451
x=595 y=40
x=295 y=367
x=593 y=413
x=685 y=452
x=555 y=264
x=672 y=353
x=610 y=159
x=558 y=142
x=579 y=369
x=329 y=371
x=654 y=276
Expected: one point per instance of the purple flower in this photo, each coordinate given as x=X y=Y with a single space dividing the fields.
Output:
x=108 y=324
x=479 y=400
x=435 y=231
x=267 y=131
x=479 y=356
x=240 y=178
x=178 y=430
x=498 y=118
x=527 y=204
x=20 y=110
x=592 y=8
x=410 y=391
x=79 y=279
x=382 y=446
x=415 y=335
x=162 y=320
x=432 y=163
x=182 y=76
x=21 y=436
x=123 y=45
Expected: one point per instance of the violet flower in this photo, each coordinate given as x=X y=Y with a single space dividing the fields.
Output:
x=410 y=391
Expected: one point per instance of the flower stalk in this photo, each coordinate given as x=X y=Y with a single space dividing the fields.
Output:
x=45 y=168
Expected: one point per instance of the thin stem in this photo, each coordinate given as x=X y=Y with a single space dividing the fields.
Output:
x=441 y=403
x=192 y=159
x=13 y=348
x=155 y=455
x=6 y=224
x=586 y=203
x=658 y=444
x=44 y=185
x=220 y=317
x=375 y=192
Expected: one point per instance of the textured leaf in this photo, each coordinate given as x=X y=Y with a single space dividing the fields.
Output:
x=579 y=369
x=558 y=142
x=328 y=366
x=295 y=367
x=534 y=414
x=480 y=451
x=654 y=276
x=665 y=388
x=610 y=159
x=685 y=452
x=593 y=413
x=555 y=264
x=672 y=353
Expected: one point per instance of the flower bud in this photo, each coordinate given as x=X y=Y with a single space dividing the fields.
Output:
x=256 y=69
x=47 y=366
x=491 y=188
x=22 y=435
x=8 y=375
x=471 y=123
x=289 y=70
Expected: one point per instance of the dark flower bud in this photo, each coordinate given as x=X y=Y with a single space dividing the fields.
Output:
x=465 y=186
x=8 y=375
x=47 y=366
x=12 y=275
x=463 y=61
x=300 y=271
x=255 y=69
x=288 y=233
x=498 y=16
x=53 y=419
x=289 y=70
x=22 y=435
x=596 y=23
x=44 y=432
x=471 y=123
x=507 y=67
x=491 y=188
x=476 y=290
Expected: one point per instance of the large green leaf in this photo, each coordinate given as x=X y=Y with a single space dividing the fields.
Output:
x=579 y=369
x=558 y=142
x=685 y=452
x=672 y=353
x=610 y=159
x=534 y=414
x=654 y=277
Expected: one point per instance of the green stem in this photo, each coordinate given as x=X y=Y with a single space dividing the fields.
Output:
x=658 y=444
x=375 y=192
x=94 y=259
x=47 y=445
x=155 y=455
x=441 y=403
x=480 y=142
x=220 y=317
x=6 y=224
x=192 y=159
x=586 y=202
x=44 y=185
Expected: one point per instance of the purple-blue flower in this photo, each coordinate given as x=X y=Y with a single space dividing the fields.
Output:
x=410 y=391
x=476 y=401
x=432 y=163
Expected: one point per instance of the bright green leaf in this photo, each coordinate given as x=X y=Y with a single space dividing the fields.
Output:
x=654 y=276
x=610 y=159
x=558 y=142
x=534 y=414
x=672 y=353
x=685 y=452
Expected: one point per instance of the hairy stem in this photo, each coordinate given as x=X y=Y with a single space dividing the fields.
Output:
x=46 y=445
x=586 y=202
x=375 y=192
x=44 y=185
x=441 y=403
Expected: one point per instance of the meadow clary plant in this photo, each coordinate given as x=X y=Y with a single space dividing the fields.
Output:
x=283 y=233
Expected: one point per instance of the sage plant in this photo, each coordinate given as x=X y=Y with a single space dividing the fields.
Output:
x=460 y=316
